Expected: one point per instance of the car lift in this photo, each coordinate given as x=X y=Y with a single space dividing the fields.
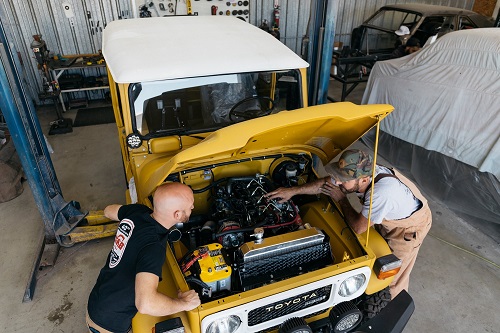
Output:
x=64 y=223
x=319 y=49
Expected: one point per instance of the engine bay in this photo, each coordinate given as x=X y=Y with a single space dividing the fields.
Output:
x=244 y=240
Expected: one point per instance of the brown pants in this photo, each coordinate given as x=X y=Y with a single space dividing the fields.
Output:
x=93 y=327
x=405 y=237
x=405 y=244
x=408 y=254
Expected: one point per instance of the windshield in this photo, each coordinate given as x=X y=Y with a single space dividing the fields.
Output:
x=203 y=104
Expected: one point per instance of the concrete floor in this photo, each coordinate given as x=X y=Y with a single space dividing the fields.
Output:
x=455 y=282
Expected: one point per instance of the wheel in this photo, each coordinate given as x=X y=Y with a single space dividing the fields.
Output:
x=294 y=325
x=264 y=104
x=374 y=303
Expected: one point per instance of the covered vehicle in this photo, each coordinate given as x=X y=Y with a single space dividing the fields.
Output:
x=377 y=34
x=446 y=118
x=231 y=121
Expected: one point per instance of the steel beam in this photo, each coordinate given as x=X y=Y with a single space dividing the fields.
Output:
x=321 y=35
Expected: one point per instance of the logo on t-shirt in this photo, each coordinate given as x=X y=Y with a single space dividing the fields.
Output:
x=123 y=234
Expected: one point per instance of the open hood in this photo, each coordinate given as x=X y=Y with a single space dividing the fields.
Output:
x=324 y=130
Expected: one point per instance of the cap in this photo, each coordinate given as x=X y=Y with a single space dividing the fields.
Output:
x=403 y=30
x=413 y=42
x=352 y=164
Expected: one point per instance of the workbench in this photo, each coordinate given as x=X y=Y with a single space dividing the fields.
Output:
x=89 y=61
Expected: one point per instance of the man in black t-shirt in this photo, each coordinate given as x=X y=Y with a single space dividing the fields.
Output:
x=411 y=46
x=128 y=282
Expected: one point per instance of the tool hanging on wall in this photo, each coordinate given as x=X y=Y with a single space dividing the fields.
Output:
x=160 y=8
x=144 y=11
x=93 y=31
x=152 y=5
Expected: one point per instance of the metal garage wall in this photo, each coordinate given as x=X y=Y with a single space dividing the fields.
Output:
x=23 y=18
x=83 y=33
x=294 y=17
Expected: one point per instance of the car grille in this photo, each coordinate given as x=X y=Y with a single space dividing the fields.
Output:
x=289 y=305
x=270 y=329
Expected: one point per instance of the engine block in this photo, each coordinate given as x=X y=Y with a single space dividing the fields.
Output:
x=260 y=240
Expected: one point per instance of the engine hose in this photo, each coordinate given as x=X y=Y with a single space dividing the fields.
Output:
x=248 y=229
x=190 y=263
x=280 y=225
x=206 y=188
x=296 y=220
x=192 y=279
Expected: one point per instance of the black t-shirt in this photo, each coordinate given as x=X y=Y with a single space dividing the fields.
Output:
x=399 y=52
x=139 y=247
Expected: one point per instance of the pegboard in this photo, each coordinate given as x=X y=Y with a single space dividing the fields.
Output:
x=156 y=8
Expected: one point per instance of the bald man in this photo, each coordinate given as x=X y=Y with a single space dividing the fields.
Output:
x=128 y=282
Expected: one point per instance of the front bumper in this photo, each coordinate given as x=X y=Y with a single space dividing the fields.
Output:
x=392 y=319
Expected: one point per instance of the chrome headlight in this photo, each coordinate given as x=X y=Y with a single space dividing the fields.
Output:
x=224 y=325
x=351 y=285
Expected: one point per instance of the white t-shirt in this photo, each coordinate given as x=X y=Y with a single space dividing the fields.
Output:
x=392 y=200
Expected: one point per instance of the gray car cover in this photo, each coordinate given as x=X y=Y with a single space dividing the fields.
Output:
x=447 y=100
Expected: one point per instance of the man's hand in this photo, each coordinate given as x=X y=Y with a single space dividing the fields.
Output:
x=282 y=194
x=190 y=298
x=333 y=191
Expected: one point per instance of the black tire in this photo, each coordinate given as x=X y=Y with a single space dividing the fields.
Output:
x=372 y=304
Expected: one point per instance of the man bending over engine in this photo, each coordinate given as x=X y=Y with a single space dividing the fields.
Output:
x=400 y=213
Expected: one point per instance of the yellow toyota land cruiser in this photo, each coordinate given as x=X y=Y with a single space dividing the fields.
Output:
x=220 y=105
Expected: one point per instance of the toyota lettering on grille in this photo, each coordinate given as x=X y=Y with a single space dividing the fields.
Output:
x=289 y=305
x=295 y=301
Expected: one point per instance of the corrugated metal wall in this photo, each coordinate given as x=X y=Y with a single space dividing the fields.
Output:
x=83 y=33
x=294 y=17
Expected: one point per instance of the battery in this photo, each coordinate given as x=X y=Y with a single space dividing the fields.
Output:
x=213 y=268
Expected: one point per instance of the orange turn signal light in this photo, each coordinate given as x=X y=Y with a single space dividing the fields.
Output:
x=387 y=266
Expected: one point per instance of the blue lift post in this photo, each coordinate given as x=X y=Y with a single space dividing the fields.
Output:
x=321 y=36
x=59 y=217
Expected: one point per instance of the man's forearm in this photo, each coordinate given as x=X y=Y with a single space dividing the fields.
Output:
x=161 y=305
x=111 y=212
x=357 y=221
x=149 y=301
x=313 y=187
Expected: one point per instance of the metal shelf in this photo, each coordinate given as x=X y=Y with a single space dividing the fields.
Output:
x=83 y=89
x=57 y=71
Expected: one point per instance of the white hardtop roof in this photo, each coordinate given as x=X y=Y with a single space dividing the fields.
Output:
x=162 y=48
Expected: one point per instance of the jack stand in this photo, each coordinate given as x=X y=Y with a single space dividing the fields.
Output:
x=61 y=125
